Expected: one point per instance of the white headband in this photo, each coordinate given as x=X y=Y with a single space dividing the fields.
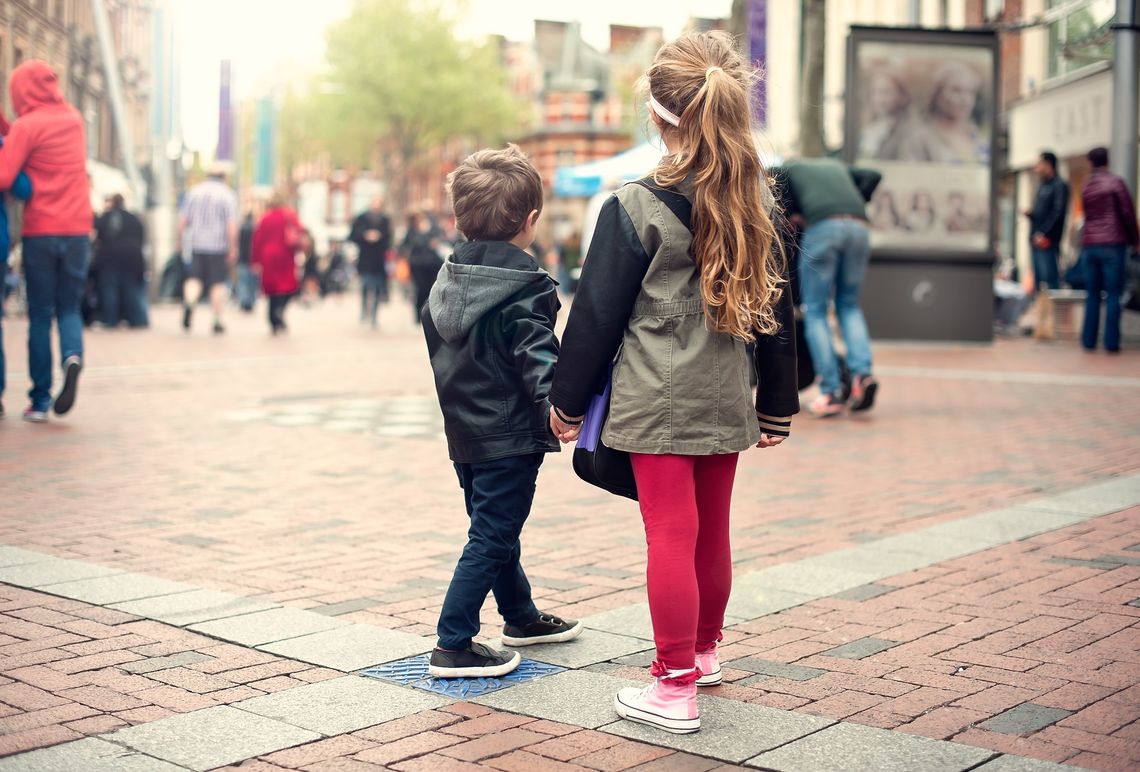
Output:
x=663 y=112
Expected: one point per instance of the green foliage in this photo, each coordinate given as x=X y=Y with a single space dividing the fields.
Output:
x=397 y=71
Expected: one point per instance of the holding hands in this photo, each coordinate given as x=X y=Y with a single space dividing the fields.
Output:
x=565 y=430
x=769 y=441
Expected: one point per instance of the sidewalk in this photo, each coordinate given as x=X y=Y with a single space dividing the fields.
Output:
x=917 y=576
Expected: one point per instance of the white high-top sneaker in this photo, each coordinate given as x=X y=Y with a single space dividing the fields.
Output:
x=669 y=703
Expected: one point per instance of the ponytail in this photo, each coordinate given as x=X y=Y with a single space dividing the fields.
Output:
x=704 y=82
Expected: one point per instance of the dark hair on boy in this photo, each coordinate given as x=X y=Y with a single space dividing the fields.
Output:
x=493 y=193
x=1098 y=157
x=1050 y=158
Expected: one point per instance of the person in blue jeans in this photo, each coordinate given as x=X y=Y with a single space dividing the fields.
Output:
x=489 y=327
x=47 y=141
x=829 y=200
x=21 y=189
x=1110 y=229
x=1047 y=222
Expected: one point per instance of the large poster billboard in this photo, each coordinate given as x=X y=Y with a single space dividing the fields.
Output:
x=921 y=109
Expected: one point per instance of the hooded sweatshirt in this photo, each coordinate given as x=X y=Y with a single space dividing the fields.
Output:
x=489 y=324
x=47 y=141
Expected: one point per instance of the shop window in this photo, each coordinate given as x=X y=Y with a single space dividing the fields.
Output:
x=1081 y=38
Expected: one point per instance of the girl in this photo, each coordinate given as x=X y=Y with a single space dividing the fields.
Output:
x=682 y=306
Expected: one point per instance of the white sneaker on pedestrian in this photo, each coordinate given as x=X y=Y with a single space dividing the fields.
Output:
x=33 y=416
x=668 y=703
x=63 y=403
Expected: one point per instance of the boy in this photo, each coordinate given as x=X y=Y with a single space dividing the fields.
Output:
x=489 y=324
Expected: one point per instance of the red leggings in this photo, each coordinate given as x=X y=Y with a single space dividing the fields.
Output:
x=684 y=503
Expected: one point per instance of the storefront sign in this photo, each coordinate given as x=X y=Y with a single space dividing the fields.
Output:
x=1068 y=120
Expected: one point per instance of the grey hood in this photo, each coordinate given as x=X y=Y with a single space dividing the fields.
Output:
x=474 y=281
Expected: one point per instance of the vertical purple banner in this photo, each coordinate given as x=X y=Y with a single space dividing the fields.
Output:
x=758 y=52
x=225 y=151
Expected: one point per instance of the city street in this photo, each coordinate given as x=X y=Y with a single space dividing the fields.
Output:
x=199 y=563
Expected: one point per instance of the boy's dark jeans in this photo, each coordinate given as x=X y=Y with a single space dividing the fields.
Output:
x=498 y=495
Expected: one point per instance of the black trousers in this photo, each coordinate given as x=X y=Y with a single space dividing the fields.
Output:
x=277 y=305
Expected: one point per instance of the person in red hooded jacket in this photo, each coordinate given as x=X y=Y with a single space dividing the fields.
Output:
x=274 y=257
x=47 y=141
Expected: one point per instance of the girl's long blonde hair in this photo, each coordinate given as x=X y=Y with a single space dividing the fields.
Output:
x=704 y=80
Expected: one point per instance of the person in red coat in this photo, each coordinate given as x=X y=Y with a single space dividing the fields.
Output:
x=274 y=250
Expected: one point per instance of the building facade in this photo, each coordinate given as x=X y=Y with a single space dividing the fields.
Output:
x=62 y=33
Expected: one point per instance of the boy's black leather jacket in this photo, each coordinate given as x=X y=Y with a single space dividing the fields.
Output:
x=489 y=324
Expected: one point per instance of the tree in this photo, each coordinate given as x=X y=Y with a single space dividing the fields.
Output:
x=811 y=100
x=398 y=78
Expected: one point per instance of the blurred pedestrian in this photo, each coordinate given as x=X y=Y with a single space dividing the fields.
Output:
x=21 y=189
x=275 y=243
x=1110 y=229
x=683 y=272
x=1047 y=222
x=489 y=327
x=335 y=278
x=48 y=142
x=421 y=247
x=208 y=228
x=310 y=269
x=835 y=250
x=121 y=275
x=246 y=280
x=372 y=234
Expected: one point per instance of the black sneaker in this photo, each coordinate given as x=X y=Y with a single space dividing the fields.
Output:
x=218 y=328
x=187 y=315
x=863 y=393
x=66 y=399
x=476 y=661
x=545 y=629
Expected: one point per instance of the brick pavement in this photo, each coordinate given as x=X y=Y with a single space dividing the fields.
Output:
x=167 y=469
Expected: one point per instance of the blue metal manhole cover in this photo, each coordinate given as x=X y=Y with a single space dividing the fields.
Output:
x=413 y=672
x=403 y=671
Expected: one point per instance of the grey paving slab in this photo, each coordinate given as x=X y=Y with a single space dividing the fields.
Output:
x=187 y=608
x=590 y=647
x=1007 y=763
x=630 y=620
x=730 y=730
x=89 y=755
x=1001 y=526
x=1025 y=718
x=844 y=747
x=776 y=669
x=347 y=607
x=873 y=558
x=268 y=626
x=864 y=647
x=938 y=547
x=117 y=588
x=866 y=592
x=14 y=556
x=812 y=577
x=351 y=648
x=211 y=738
x=52 y=571
x=575 y=697
x=753 y=596
x=342 y=705
x=1094 y=500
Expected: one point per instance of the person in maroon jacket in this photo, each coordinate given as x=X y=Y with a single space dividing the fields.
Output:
x=47 y=141
x=1110 y=229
